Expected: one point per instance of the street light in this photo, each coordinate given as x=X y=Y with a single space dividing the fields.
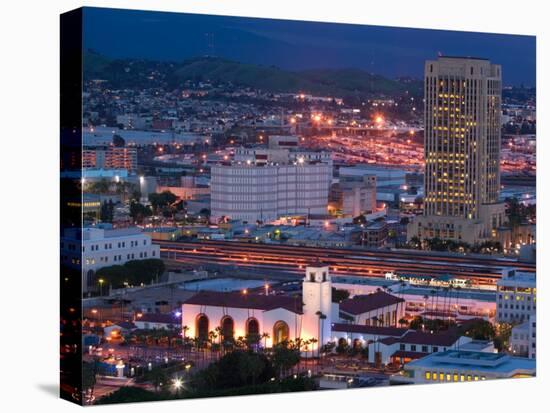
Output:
x=101 y=281
x=177 y=383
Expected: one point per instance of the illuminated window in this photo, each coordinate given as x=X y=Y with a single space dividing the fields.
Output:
x=448 y=377
x=455 y=377
x=441 y=376
x=469 y=377
x=462 y=377
x=428 y=375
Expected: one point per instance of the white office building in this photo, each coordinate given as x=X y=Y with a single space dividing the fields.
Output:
x=268 y=184
x=523 y=340
x=103 y=247
x=516 y=296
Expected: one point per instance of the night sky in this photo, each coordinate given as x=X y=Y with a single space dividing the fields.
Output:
x=296 y=45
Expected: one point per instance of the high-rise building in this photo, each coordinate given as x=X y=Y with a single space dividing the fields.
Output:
x=462 y=150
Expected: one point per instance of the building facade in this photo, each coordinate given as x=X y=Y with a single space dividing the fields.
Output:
x=516 y=296
x=103 y=247
x=271 y=318
x=251 y=192
x=462 y=151
x=109 y=157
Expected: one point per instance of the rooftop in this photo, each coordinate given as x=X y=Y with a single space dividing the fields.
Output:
x=374 y=330
x=250 y=301
x=364 y=303
x=480 y=361
x=158 y=318
x=423 y=338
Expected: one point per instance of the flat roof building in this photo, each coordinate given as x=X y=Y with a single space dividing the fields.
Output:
x=459 y=366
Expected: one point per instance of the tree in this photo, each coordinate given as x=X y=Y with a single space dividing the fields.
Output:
x=284 y=356
x=162 y=200
x=415 y=243
x=134 y=272
x=205 y=212
x=139 y=212
x=416 y=323
x=102 y=186
x=106 y=213
x=360 y=219
x=502 y=338
x=235 y=369
x=129 y=395
x=157 y=377
x=118 y=141
x=480 y=330
x=89 y=376
x=339 y=295
x=320 y=331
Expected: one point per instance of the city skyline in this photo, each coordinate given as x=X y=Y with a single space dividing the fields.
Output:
x=235 y=228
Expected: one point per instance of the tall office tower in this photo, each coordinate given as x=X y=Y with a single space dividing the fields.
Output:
x=462 y=151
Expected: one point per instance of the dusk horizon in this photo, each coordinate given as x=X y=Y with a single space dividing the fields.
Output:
x=298 y=45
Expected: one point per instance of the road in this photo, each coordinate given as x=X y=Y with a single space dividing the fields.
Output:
x=274 y=257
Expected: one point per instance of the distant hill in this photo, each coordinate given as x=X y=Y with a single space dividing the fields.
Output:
x=335 y=82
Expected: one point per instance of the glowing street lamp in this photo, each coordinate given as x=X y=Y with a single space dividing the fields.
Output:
x=177 y=384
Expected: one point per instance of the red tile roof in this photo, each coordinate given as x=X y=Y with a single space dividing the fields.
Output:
x=158 y=318
x=251 y=301
x=374 y=330
x=423 y=338
x=364 y=303
x=409 y=354
x=439 y=339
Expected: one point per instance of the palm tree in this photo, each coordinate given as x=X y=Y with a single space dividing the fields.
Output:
x=320 y=331
x=426 y=298
x=314 y=341
x=303 y=344
x=450 y=293
x=432 y=293
x=211 y=337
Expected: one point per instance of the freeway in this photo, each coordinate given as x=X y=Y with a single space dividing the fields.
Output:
x=346 y=261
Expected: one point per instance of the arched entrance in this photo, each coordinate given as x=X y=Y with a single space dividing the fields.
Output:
x=280 y=332
x=90 y=279
x=201 y=328
x=228 y=328
x=253 y=330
